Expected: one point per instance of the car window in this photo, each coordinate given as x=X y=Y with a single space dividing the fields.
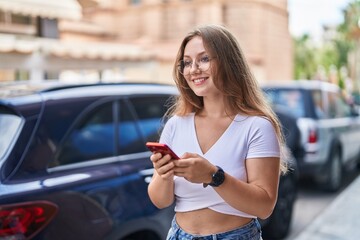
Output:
x=338 y=108
x=288 y=99
x=321 y=109
x=93 y=138
x=9 y=125
x=130 y=139
x=150 y=112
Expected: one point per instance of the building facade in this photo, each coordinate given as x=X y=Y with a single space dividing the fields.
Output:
x=152 y=31
x=33 y=46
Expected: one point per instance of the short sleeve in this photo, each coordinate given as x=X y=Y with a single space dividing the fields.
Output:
x=263 y=141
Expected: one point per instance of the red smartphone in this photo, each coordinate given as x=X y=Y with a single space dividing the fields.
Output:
x=162 y=148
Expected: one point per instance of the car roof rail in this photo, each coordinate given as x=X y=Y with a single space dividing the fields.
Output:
x=70 y=86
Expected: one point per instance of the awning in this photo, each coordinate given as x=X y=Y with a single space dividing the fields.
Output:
x=74 y=50
x=61 y=9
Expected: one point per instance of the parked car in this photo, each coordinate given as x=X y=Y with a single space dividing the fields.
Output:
x=278 y=224
x=74 y=165
x=329 y=126
x=73 y=162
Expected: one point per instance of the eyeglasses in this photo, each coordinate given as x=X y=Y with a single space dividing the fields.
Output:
x=202 y=63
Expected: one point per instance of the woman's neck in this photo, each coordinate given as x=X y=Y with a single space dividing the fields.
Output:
x=215 y=108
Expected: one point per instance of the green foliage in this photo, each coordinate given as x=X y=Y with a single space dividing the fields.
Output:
x=341 y=83
x=350 y=26
x=310 y=57
x=305 y=63
x=334 y=52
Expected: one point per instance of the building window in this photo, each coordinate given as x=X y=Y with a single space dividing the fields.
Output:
x=17 y=24
x=20 y=19
x=11 y=18
x=47 y=28
x=135 y=2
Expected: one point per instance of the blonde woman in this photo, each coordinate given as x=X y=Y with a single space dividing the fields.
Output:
x=228 y=140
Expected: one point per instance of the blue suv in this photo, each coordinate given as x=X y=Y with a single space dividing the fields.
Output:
x=73 y=162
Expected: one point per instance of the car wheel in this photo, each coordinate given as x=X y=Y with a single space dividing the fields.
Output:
x=280 y=220
x=334 y=179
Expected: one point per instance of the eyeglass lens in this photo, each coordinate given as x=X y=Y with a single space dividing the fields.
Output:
x=202 y=63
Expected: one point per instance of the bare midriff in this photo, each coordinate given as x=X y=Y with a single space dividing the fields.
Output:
x=206 y=221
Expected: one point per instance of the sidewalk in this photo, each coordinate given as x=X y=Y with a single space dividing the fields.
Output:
x=340 y=220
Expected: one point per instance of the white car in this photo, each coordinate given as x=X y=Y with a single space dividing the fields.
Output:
x=329 y=125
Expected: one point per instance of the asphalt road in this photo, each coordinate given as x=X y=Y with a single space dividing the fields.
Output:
x=311 y=202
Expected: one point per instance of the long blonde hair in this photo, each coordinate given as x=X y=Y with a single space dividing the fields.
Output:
x=232 y=77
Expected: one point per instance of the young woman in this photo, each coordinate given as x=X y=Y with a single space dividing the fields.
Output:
x=228 y=140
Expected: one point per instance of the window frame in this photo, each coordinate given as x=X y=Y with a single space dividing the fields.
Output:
x=117 y=157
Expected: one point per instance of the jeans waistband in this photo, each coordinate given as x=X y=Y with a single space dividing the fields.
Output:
x=250 y=231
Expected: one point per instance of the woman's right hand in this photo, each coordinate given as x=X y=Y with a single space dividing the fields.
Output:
x=161 y=187
x=163 y=165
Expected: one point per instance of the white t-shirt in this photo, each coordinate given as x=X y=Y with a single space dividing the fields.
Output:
x=246 y=137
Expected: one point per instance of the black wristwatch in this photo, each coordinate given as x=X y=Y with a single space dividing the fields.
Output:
x=217 y=178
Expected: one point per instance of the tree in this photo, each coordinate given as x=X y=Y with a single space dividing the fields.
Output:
x=350 y=30
x=314 y=60
x=305 y=65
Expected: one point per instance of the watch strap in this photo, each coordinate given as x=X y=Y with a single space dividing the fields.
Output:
x=217 y=178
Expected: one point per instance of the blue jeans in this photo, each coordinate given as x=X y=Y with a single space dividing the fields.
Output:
x=250 y=231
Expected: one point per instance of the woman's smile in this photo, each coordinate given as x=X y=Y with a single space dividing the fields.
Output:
x=199 y=81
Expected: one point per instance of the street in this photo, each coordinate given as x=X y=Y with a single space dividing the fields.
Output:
x=311 y=202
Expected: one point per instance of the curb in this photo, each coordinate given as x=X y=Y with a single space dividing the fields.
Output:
x=340 y=220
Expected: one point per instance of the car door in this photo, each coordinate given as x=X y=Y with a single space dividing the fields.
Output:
x=150 y=111
x=97 y=179
x=345 y=125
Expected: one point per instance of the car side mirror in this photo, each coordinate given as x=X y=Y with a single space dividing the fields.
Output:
x=355 y=111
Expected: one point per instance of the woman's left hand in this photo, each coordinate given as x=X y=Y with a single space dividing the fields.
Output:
x=194 y=168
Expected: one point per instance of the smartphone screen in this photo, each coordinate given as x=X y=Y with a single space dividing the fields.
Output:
x=161 y=148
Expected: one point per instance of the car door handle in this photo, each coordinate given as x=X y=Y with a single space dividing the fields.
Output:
x=62 y=180
x=147 y=174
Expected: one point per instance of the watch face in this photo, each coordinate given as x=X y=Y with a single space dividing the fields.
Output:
x=218 y=178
